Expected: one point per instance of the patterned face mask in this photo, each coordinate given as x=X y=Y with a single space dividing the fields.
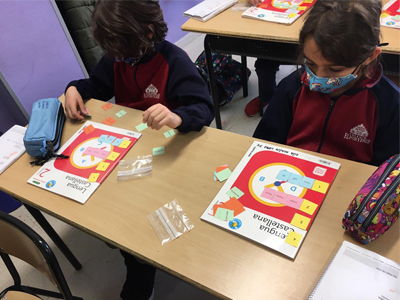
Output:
x=132 y=60
x=327 y=85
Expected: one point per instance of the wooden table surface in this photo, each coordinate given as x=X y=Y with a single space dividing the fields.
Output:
x=208 y=257
x=230 y=23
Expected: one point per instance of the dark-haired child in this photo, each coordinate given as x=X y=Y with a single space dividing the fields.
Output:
x=341 y=104
x=142 y=71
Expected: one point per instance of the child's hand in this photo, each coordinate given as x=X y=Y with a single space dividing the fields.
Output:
x=74 y=107
x=158 y=115
x=255 y=2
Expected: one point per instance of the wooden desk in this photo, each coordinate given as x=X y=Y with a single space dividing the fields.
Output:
x=207 y=257
x=230 y=33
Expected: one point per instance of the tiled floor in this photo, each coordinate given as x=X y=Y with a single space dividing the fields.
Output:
x=103 y=271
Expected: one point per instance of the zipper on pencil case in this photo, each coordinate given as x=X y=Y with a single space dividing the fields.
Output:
x=392 y=165
x=61 y=120
x=379 y=203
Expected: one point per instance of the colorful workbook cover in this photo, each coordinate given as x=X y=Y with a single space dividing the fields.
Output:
x=279 y=11
x=273 y=196
x=390 y=16
x=94 y=150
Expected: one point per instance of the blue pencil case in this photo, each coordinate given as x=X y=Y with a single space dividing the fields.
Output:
x=43 y=136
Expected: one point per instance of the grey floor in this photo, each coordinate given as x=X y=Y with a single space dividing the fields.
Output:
x=103 y=272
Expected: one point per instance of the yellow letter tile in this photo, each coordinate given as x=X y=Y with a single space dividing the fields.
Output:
x=308 y=207
x=300 y=221
x=320 y=186
x=293 y=238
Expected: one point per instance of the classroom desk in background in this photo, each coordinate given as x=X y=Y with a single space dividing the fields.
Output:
x=207 y=257
x=228 y=32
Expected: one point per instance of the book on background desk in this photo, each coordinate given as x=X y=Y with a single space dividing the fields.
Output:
x=273 y=196
x=207 y=9
x=279 y=11
x=12 y=146
x=357 y=273
x=93 y=152
x=390 y=16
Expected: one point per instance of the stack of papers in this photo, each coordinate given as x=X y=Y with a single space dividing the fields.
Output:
x=12 y=146
x=208 y=9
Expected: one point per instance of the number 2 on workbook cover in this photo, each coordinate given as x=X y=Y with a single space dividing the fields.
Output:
x=93 y=152
x=279 y=11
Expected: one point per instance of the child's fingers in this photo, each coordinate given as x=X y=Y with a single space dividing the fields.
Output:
x=162 y=114
x=74 y=113
x=154 y=117
x=82 y=108
x=148 y=112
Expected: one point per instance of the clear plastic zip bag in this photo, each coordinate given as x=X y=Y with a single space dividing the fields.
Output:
x=140 y=167
x=169 y=222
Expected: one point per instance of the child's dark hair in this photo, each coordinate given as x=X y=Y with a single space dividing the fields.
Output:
x=346 y=31
x=122 y=28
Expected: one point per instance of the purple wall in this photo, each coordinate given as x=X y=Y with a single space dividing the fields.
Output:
x=36 y=58
x=173 y=15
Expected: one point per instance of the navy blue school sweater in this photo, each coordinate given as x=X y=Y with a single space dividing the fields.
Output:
x=166 y=76
x=362 y=124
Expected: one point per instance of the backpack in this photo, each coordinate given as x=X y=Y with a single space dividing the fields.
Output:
x=227 y=72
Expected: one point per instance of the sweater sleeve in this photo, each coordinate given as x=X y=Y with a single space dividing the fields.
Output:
x=387 y=137
x=277 y=120
x=100 y=84
x=186 y=87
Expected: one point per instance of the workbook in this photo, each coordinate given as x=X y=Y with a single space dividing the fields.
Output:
x=273 y=196
x=357 y=273
x=93 y=152
x=279 y=11
x=12 y=146
x=390 y=16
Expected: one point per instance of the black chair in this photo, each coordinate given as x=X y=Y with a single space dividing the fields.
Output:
x=19 y=240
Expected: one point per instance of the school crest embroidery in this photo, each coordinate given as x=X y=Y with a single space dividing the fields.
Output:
x=151 y=92
x=358 y=134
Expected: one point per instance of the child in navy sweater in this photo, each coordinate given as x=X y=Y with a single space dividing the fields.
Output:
x=339 y=103
x=142 y=71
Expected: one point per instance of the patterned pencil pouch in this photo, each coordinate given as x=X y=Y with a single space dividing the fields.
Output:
x=376 y=206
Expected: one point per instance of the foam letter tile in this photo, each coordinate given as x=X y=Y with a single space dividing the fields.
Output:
x=141 y=127
x=125 y=144
x=295 y=179
x=384 y=15
x=111 y=120
x=118 y=114
x=102 y=166
x=293 y=238
x=320 y=186
x=308 y=1
x=292 y=16
x=89 y=129
x=302 y=8
x=293 y=201
x=236 y=192
x=235 y=205
x=117 y=142
x=300 y=221
x=169 y=133
x=105 y=107
x=88 y=151
x=279 y=197
x=122 y=112
x=306 y=182
x=158 y=151
x=219 y=169
x=103 y=138
x=268 y=193
x=308 y=207
x=224 y=174
x=216 y=206
x=113 y=156
x=283 y=175
x=109 y=105
x=107 y=122
x=93 y=177
x=110 y=139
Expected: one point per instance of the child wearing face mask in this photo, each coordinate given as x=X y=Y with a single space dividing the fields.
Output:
x=145 y=72
x=339 y=103
x=142 y=70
